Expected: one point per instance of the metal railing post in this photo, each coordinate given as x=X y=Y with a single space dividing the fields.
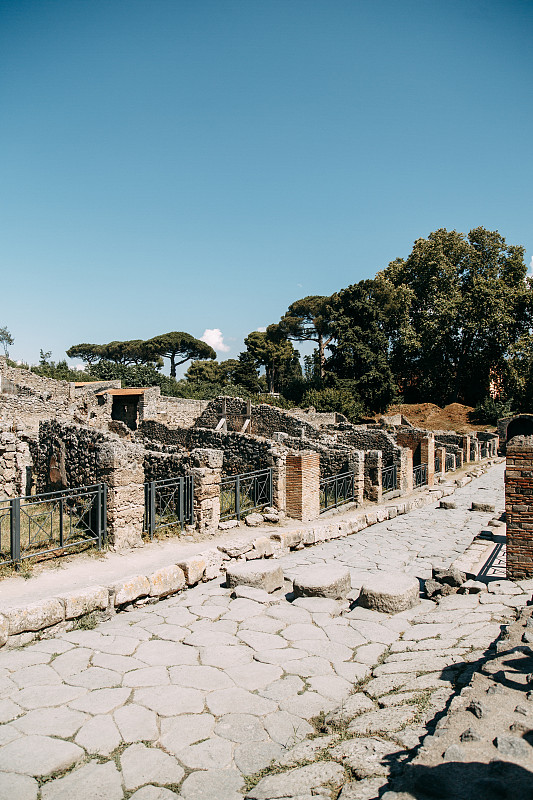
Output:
x=104 y=512
x=238 y=498
x=14 y=529
x=151 y=506
x=98 y=499
x=181 y=500
x=61 y=532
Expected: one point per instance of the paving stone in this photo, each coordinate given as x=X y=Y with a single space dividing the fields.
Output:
x=252 y=593
x=384 y=720
x=285 y=687
x=38 y=756
x=266 y=575
x=366 y=789
x=288 y=614
x=307 y=705
x=166 y=654
x=365 y=757
x=309 y=667
x=352 y=707
x=214 y=753
x=241 y=728
x=147 y=676
x=304 y=780
x=167 y=701
x=101 y=701
x=352 y=671
x=72 y=662
x=18 y=787
x=252 y=757
x=319 y=605
x=99 y=735
x=62 y=722
x=344 y=634
x=329 y=581
x=331 y=686
x=225 y=656
x=254 y=676
x=141 y=764
x=91 y=782
x=306 y=751
x=36 y=675
x=286 y=729
x=225 y=701
x=136 y=723
x=262 y=641
x=281 y=656
x=370 y=653
x=154 y=793
x=95 y=678
x=186 y=729
x=222 y=784
x=208 y=679
x=374 y=631
x=56 y=695
x=8 y=711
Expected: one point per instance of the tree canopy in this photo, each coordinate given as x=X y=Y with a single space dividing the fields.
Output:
x=179 y=347
x=6 y=340
x=307 y=320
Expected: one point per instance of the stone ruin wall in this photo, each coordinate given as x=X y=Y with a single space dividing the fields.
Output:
x=266 y=419
x=67 y=456
x=370 y=438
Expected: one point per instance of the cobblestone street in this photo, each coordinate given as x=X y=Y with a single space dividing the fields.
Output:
x=195 y=695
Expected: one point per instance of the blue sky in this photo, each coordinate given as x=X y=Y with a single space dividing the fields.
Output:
x=201 y=164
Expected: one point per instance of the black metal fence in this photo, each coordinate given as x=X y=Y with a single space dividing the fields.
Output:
x=484 y=451
x=168 y=503
x=389 y=479
x=437 y=463
x=420 y=475
x=39 y=524
x=240 y=494
x=336 y=490
x=450 y=462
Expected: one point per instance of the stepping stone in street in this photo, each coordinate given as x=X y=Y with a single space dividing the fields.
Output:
x=266 y=575
x=390 y=592
x=323 y=581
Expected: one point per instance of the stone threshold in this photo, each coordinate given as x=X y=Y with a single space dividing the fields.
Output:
x=50 y=610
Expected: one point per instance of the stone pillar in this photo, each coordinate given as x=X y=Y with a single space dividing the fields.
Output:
x=121 y=466
x=373 y=477
x=441 y=453
x=427 y=455
x=466 y=445
x=458 y=459
x=475 y=450
x=207 y=470
x=278 y=460
x=303 y=485
x=356 y=463
x=519 y=507
x=406 y=470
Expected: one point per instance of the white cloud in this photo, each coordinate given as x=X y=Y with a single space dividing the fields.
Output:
x=213 y=337
x=262 y=329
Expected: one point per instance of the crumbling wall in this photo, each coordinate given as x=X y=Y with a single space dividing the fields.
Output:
x=17 y=381
x=177 y=412
x=16 y=463
x=266 y=419
x=366 y=438
x=67 y=456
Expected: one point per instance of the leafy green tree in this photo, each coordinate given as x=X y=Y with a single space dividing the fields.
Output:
x=204 y=372
x=179 y=347
x=134 y=375
x=307 y=321
x=89 y=353
x=274 y=352
x=359 y=358
x=246 y=374
x=469 y=302
x=331 y=399
x=6 y=340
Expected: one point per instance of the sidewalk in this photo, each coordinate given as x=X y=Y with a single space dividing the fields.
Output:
x=74 y=573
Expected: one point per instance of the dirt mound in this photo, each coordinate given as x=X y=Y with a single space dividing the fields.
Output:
x=453 y=417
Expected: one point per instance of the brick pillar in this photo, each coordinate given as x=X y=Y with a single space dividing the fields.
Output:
x=206 y=472
x=121 y=466
x=303 y=485
x=519 y=508
x=466 y=445
x=373 y=477
x=406 y=470
x=427 y=455
x=441 y=453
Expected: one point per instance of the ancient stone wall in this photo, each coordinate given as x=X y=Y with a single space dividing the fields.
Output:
x=365 y=438
x=67 y=456
x=15 y=464
x=266 y=419
x=23 y=381
x=161 y=465
x=178 y=412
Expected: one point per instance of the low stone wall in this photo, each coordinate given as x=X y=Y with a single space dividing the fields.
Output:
x=266 y=419
x=178 y=412
x=365 y=438
x=15 y=464
x=67 y=456
x=25 y=379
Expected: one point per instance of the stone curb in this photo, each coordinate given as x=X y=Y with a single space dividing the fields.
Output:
x=22 y=624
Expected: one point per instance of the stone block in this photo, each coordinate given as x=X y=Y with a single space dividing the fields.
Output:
x=323 y=581
x=166 y=580
x=235 y=547
x=130 y=589
x=34 y=617
x=262 y=547
x=447 y=504
x=228 y=524
x=4 y=630
x=390 y=592
x=489 y=508
x=193 y=568
x=288 y=539
x=83 y=601
x=253 y=520
x=266 y=575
